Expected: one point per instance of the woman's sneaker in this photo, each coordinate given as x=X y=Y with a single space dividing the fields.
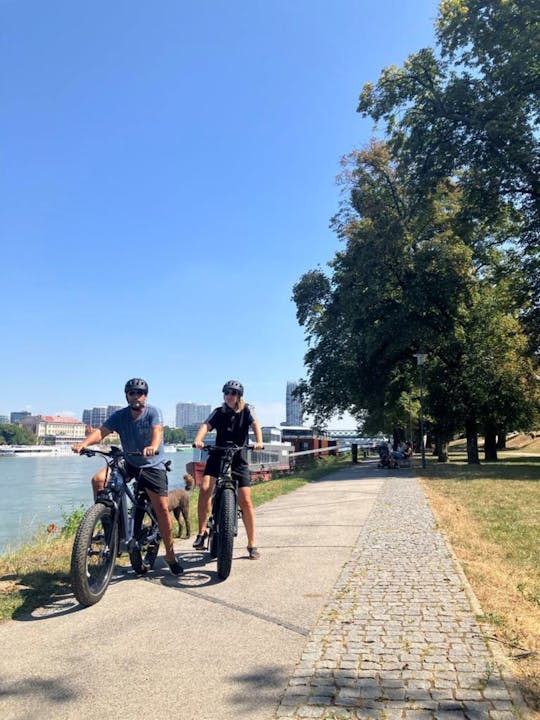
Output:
x=200 y=541
x=254 y=553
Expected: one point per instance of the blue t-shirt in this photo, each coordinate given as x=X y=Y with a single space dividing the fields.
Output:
x=136 y=434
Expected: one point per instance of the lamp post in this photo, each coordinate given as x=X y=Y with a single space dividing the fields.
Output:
x=420 y=360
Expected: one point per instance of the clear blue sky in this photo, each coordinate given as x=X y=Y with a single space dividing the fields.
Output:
x=168 y=173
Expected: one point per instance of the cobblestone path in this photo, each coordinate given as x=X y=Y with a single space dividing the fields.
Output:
x=398 y=637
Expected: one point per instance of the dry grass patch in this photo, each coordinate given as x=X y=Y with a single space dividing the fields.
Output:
x=491 y=517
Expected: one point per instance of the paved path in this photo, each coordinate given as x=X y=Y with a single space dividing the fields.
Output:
x=398 y=637
x=355 y=610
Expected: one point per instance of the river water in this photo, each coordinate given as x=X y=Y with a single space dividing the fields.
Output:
x=36 y=491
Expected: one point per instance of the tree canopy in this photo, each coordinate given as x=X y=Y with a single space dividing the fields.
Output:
x=440 y=223
x=16 y=435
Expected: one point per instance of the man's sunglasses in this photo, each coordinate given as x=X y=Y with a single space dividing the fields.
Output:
x=230 y=392
x=136 y=392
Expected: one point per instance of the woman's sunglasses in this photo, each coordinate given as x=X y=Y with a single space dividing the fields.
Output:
x=230 y=392
x=136 y=392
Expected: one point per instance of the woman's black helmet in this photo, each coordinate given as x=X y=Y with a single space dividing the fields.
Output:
x=136 y=384
x=234 y=385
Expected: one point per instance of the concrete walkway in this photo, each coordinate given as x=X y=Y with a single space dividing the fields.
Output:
x=355 y=610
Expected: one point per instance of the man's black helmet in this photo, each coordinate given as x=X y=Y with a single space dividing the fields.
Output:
x=136 y=384
x=234 y=385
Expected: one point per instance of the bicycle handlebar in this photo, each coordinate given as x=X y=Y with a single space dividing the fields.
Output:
x=113 y=452
x=222 y=448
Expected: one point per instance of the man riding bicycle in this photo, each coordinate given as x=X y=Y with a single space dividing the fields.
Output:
x=232 y=421
x=140 y=427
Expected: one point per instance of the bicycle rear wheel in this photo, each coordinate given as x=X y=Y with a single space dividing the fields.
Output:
x=225 y=529
x=94 y=554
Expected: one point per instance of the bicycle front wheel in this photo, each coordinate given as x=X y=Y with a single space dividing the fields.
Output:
x=94 y=554
x=227 y=509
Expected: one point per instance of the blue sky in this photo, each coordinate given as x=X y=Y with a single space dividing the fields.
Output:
x=168 y=173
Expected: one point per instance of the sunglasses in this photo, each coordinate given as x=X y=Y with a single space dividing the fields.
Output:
x=230 y=392
x=136 y=392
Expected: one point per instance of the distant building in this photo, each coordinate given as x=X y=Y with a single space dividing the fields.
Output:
x=55 y=429
x=95 y=417
x=270 y=434
x=293 y=406
x=189 y=413
x=98 y=416
x=4 y=419
x=16 y=418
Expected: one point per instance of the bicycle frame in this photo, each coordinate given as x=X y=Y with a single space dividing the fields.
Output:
x=115 y=495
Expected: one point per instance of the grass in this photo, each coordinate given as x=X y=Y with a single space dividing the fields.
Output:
x=491 y=516
x=35 y=573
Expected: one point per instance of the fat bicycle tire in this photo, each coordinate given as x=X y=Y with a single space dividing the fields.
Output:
x=225 y=530
x=143 y=554
x=94 y=554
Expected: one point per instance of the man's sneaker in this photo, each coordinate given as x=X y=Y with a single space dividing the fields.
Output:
x=254 y=554
x=200 y=541
x=175 y=567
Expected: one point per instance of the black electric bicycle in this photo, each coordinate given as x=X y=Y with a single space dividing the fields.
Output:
x=121 y=519
x=222 y=525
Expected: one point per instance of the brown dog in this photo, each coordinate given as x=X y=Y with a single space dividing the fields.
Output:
x=179 y=504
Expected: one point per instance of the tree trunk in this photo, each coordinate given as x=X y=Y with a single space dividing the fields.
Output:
x=490 y=445
x=398 y=435
x=441 y=449
x=501 y=440
x=471 y=431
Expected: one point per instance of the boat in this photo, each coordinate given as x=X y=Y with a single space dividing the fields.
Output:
x=176 y=447
x=262 y=463
x=35 y=450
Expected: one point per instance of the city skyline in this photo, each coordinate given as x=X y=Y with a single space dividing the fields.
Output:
x=100 y=411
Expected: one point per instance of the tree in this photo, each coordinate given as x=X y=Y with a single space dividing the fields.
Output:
x=16 y=435
x=172 y=436
x=472 y=113
x=408 y=279
x=397 y=287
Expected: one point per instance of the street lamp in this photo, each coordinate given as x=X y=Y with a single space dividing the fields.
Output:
x=420 y=360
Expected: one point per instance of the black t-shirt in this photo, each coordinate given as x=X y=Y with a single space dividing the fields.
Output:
x=231 y=427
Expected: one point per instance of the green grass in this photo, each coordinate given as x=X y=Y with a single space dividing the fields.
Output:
x=491 y=516
x=38 y=572
x=504 y=498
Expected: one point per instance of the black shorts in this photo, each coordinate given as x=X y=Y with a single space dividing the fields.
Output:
x=150 y=478
x=239 y=467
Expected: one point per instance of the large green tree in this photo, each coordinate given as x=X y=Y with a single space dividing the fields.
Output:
x=411 y=279
x=471 y=111
x=396 y=288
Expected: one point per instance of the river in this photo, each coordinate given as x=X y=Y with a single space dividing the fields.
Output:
x=42 y=490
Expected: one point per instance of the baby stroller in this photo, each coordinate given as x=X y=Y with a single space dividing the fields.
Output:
x=385 y=459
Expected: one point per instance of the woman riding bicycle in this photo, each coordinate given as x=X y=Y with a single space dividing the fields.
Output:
x=140 y=427
x=231 y=421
